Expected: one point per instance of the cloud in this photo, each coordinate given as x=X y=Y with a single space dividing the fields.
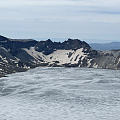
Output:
x=54 y=16
x=107 y=3
x=83 y=6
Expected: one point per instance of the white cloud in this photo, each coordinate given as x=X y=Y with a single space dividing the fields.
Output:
x=97 y=3
x=82 y=16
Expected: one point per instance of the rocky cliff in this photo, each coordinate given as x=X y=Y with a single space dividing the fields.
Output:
x=22 y=54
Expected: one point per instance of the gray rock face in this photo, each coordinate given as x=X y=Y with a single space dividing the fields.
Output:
x=108 y=59
x=17 y=55
x=8 y=63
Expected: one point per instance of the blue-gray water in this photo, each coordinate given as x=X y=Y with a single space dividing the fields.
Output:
x=61 y=94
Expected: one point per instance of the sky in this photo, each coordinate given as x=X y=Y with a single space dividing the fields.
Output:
x=89 y=20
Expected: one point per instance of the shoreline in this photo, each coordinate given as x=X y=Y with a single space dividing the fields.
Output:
x=6 y=75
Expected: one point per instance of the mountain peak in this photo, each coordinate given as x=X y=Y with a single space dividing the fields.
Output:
x=47 y=47
x=2 y=38
x=49 y=40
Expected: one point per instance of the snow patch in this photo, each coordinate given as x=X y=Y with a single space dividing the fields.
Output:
x=59 y=57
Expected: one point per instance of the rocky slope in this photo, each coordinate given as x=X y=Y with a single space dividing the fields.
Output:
x=22 y=54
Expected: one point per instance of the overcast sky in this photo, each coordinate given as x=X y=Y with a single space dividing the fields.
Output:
x=92 y=20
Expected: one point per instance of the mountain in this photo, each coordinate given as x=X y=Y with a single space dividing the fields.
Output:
x=106 y=46
x=17 y=55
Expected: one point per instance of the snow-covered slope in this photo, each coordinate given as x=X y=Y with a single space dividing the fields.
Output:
x=77 y=58
x=60 y=57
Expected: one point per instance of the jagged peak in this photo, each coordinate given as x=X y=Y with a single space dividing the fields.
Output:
x=48 y=46
x=49 y=40
x=2 y=38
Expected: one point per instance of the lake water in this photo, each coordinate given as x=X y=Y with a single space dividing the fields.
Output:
x=61 y=94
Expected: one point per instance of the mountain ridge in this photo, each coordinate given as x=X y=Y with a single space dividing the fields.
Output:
x=17 y=55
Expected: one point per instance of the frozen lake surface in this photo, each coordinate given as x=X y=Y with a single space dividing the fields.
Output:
x=61 y=94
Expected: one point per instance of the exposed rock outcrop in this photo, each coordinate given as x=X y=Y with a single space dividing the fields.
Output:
x=22 y=54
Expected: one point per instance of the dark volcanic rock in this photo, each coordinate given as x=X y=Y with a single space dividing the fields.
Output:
x=8 y=63
x=47 y=47
x=14 y=45
x=74 y=44
x=3 y=39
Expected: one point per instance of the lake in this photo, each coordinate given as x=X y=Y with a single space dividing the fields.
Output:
x=61 y=94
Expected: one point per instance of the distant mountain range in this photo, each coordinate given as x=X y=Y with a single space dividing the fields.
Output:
x=106 y=46
x=17 y=55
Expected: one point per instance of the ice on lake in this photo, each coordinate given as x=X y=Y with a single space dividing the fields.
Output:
x=61 y=94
